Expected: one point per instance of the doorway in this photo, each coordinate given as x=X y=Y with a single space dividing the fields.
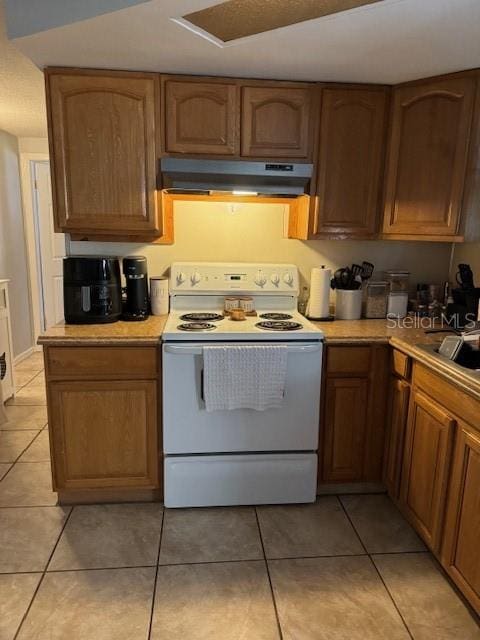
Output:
x=46 y=249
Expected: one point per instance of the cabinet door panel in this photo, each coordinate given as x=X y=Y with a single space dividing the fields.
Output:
x=461 y=550
x=276 y=122
x=426 y=464
x=399 y=396
x=350 y=161
x=428 y=151
x=201 y=118
x=345 y=427
x=102 y=139
x=104 y=434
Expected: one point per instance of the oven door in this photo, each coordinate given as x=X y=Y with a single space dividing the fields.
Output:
x=189 y=429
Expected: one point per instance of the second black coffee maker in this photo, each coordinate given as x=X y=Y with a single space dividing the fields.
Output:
x=135 y=304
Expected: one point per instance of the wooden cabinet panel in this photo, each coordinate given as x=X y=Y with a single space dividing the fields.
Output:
x=429 y=139
x=350 y=161
x=461 y=549
x=201 y=118
x=397 y=421
x=430 y=433
x=97 y=362
x=276 y=122
x=103 y=151
x=104 y=434
x=401 y=364
x=348 y=360
x=344 y=429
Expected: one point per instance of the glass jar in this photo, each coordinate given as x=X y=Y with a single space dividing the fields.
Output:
x=376 y=299
x=397 y=280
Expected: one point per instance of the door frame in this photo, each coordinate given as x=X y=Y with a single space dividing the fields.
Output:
x=27 y=178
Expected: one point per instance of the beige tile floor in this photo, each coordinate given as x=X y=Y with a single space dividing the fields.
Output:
x=345 y=568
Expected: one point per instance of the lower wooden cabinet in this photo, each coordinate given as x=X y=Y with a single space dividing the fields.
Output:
x=345 y=429
x=430 y=433
x=103 y=407
x=352 y=430
x=397 y=422
x=104 y=434
x=461 y=548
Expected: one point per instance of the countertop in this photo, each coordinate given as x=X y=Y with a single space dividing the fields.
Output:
x=146 y=332
x=406 y=339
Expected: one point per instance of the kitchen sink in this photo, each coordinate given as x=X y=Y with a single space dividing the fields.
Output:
x=468 y=363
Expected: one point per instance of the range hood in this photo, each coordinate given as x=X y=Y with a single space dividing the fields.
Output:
x=269 y=178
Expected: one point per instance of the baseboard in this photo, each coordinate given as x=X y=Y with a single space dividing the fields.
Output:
x=349 y=487
x=23 y=356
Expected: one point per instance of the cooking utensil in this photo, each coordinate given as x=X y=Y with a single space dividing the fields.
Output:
x=357 y=270
x=367 y=270
x=344 y=279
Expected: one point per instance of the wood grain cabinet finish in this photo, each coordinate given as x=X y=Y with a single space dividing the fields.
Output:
x=395 y=440
x=102 y=131
x=276 y=122
x=345 y=426
x=430 y=433
x=350 y=161
x=104 y=434
x=427 y=158
x=461 y=549
x=201 y=118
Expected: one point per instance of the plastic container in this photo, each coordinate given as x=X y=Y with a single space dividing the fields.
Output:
x=376 y=299
x=397 y=280
x=348 y=304
x=397 y=304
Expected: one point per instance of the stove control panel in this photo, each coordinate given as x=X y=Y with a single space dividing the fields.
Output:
x=242 y=277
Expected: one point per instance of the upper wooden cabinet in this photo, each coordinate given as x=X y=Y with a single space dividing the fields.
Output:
x=102 y=132
x=201 y=118
x=276 y=122
x=428 y=150
x=350 y=161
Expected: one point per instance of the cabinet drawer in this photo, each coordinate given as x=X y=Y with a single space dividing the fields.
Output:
x=97 y=362
x=401 y=365
x=348 y=360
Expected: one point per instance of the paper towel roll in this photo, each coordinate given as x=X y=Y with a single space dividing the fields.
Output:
x=159 y=295
x=319 y=302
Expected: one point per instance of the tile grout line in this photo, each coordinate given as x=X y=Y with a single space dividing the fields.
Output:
x=20 y=454
x=44 y=573
x=274 y=602
x=156 y=577
x=369 y=555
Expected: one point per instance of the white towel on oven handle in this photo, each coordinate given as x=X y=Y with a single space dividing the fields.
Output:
x=244 y=376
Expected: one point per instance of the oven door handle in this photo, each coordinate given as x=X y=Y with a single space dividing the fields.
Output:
x=189 y=350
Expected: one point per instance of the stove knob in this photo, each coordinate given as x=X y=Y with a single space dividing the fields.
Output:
x=288 y=279
x=260 y=280
x=195 y=278
x=275 y=278
x=181 y=277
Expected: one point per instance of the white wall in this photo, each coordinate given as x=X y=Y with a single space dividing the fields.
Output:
x=13 y=260
x=205 y=231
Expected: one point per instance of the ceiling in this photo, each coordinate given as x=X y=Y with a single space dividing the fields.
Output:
x=22 y=101
x=388 y=42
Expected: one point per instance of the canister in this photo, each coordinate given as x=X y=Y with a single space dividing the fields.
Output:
x=159 y=295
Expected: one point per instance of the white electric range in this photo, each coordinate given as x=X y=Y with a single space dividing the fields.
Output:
x=240 y=456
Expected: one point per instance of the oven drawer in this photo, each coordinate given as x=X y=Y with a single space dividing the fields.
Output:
x=203 y=481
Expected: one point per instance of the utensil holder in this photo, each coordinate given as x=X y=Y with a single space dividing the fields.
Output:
x=348 y=304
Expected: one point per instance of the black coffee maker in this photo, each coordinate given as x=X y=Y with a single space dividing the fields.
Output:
x=135 y=304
